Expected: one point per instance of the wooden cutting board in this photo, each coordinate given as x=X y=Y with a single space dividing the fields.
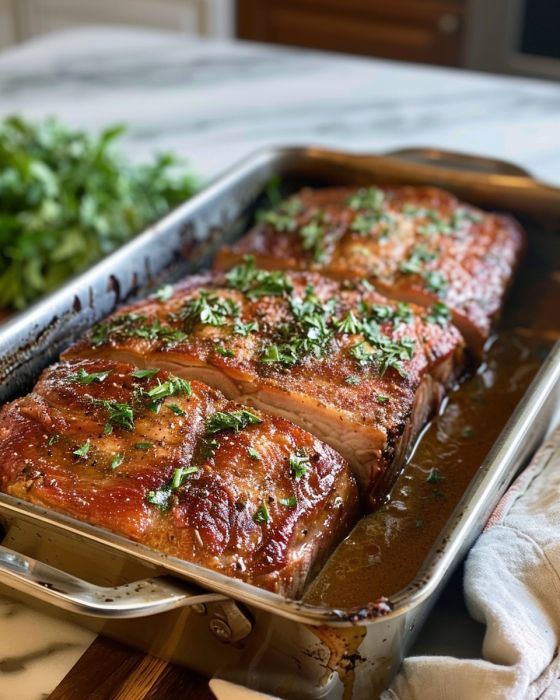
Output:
x=112 y=671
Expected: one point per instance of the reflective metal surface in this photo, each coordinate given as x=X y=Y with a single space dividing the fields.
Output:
x=290 y=649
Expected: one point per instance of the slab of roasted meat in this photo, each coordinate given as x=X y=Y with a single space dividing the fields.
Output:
x=176 y=466
x=359 y=372
x=414 y=244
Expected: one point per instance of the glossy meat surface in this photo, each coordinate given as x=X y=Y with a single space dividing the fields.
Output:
x=176 y=466
x=414 y=244
x=359 y=372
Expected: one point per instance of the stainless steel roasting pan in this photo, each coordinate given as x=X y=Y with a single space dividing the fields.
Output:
x=203 y=619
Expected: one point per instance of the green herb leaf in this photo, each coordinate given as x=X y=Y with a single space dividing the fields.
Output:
x=143 y=445
x=53 y=439
x=255 y=283
x=177 y=410
x=254 y=454
x=439 y=313
x=85 y=378
x=208 y=309
x=283 y=217
x=414 y=264
x=83 y=450
x=224 y=352
x=68 y=199
x=144 y=373
x=244 y=329
x=164 y=293
x=162 y=497
x=349 y=324
x=435 y=281
x=367 y=198
x=231 y=420
x=299 y=464
x=381 y=398
x=118 y=414
x=353 y=379
x=262 y=515
x=171 y=387
x=118 y=459
x=312 y=235
x=290 y=502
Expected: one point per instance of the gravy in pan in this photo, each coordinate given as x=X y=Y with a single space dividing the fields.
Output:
x=386 y=548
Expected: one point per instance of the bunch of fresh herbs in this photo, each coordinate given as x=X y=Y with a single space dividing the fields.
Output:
x=67 y=198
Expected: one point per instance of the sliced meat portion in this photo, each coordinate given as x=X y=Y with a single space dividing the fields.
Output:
x=176 y=466
x=414 y=244
x=361 y=373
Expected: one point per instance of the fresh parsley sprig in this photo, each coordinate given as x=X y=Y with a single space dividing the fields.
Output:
x=68 y=198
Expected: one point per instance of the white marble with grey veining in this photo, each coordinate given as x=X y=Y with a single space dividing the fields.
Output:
x=213 y=102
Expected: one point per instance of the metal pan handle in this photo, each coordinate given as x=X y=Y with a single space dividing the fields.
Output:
x=462 y=161
x=137 y=599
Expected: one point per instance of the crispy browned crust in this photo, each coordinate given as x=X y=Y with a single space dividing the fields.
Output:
x=371 y=423
x=210 y=519
x=476 y=260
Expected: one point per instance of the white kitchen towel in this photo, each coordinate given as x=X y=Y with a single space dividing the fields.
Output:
x=512 y=585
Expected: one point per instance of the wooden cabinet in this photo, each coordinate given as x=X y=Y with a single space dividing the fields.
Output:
x=426 y=31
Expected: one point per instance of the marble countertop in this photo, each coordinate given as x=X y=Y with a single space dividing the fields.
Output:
x=214 y=102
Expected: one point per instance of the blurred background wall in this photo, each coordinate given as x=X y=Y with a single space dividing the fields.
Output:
x=504 y=36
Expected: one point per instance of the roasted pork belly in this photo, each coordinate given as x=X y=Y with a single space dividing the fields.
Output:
x=176 y=466
x=414 y=244
x=361 y=373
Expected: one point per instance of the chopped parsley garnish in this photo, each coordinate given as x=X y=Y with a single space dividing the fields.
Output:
x=308 y=331
x=169 y=388
x=435 y=281
x=53 y=439
x=383 y=352
x=164 y=293
x=231 y=420
x=208 y=309
x=313 y=236
x=85 y=378
x=161 y=497
x=415 y=262
x=224 y=352
x=82 y=451
x=364 y=223
x=290 y=502
x=353 y=379
x=468 y=431
x=143 y=445
x=240 y=328
x=371 y=198
x=349 y=324
x=118 y=414
x=176 y=409
x=144 y=373
x=381 y=398
x=401 y=313
x=283 y=217
x=135 y=326
x=254 y=454
x=118 y=459
x=436 y=224
x=208 y=447
x=439 y=313
x=254 y=283
x=434 y=476
x=299 y=464
x=262 y=515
